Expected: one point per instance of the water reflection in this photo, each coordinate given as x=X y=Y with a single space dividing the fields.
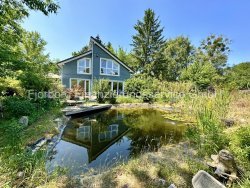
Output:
x=108 y=137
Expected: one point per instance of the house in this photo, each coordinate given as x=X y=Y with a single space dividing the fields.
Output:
x=95 y=64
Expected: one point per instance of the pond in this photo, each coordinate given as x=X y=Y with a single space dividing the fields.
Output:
x=107 y=138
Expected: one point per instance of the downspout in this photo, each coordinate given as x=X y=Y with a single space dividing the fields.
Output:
x=92 y=75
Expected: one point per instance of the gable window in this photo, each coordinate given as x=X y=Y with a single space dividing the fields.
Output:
x=109 y=67
x=83 y=66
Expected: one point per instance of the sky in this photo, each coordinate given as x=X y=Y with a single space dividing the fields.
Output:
x=70 y=29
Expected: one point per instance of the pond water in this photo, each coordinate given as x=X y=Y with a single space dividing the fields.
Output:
x=104 y=139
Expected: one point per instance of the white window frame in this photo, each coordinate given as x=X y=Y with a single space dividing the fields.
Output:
x=113 y=62
x=117 y=87
x=84 y=59
x=77 y=82
x=84 y=131
x=113 y=128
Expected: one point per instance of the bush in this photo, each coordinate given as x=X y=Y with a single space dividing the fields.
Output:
x=135 y=85
x=238 y=76
x=143 y=87
x=111 y=99
x=17 y=106
x=203 y=74
x=35 y=81
x=102 y=88
x=10 y=87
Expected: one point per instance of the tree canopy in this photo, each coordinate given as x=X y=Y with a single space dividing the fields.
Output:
x=22 y=52
x=238 y=76
x=148 y=42
x=177 y=55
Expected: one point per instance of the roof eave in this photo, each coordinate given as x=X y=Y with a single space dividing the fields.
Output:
x=60 y=63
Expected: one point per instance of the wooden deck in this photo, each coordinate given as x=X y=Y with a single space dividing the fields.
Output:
x=85 y=110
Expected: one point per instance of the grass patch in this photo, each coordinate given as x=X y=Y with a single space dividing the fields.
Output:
x=19 y=168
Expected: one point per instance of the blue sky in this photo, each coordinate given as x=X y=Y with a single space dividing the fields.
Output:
x=113 y=20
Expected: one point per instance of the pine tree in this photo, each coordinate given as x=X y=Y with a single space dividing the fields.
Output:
x=148 y=42
x=110 y=47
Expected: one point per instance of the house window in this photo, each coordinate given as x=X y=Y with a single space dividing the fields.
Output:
x=83 y=66
x=113 y=130
x=109 y=67
x=83 y=133
x=110 y=134
x=117 y=87
x=82 y=85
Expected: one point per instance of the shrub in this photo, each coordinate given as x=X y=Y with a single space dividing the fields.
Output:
x=238 y=76
x=10 y=86
x=135 y=85
x=111 y=97
x=17 y=106
x=203 y=74
x=143 y=87
x=102 y=88
x=35 y=81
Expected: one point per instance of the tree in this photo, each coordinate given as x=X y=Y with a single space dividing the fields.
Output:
x=110 y=47
x=33 y=48
x=126 y=57
x=238 y=76
x=12 y=12
x=177 y=54
x=215 y=49
x=34 y=73
x=83 y=50
x=148 y=42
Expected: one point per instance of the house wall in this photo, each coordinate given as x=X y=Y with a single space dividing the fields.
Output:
x=69 y=69
x=97 y=55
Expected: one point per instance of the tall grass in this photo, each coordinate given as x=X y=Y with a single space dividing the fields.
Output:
x=208 y=134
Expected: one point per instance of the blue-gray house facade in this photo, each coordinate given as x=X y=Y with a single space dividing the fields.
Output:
x=95 y=64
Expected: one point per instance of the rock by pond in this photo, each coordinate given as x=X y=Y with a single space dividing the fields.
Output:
x=24 y=120
x=225 y=166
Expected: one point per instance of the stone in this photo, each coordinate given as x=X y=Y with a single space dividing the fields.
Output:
x=126 y=186
x=162 y=181
x=172 y=186
x=228 y=122
x=57 y=119
x=20 y=174
x=225 y=166
x=24 y=120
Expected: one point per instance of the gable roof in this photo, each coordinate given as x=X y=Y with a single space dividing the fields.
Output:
x=110 y=53
x=74 y=57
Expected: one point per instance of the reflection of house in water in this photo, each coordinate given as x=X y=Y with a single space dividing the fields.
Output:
x=109 y=134
x=97 y=134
